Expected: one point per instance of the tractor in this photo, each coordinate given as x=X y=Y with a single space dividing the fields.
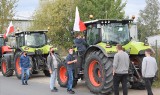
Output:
x=3 y=48
x=95 y=66
x=35 y=43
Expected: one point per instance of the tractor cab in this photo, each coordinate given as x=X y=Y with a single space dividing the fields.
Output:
x=34 y=39
x=108 y=31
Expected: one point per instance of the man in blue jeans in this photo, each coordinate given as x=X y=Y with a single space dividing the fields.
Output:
x=70 y=60
x=25 y=67
x=52 y=66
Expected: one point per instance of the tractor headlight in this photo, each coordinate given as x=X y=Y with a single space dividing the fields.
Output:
x=146 y=44
x=108 y=46
x=26 y=48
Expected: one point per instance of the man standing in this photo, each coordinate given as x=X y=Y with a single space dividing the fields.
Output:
x=80 y=44
x=25 y=67
x=149 y=69
x=120 y=70
x=70 y=60
x=52 y=65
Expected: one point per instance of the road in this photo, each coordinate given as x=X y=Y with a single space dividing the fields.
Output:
x=39 y=85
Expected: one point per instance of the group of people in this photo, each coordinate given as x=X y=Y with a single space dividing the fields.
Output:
x=120 y=68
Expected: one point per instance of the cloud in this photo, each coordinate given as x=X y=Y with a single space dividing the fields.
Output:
x=133 y=7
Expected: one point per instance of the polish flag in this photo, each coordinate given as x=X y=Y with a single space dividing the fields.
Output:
x=78 y=24
x=10 y=29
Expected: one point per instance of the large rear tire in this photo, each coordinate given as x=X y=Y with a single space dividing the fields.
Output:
x=63 y=76
x=6 y=71
x=98 y=73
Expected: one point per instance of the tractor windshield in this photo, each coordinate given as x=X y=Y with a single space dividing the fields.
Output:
x=115 y=33
x=1 y=41
x=35 y=39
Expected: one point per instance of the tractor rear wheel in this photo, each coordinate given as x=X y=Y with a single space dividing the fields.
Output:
x=63 y=76
x=98 y=73
x=6 y=71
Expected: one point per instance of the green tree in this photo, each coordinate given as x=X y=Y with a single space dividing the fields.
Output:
x=102 y=9
x=148 y=22
x=59 y=16
x=7 y=11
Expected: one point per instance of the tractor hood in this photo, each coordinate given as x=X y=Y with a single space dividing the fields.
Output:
x=133 y=48
x=45 y=49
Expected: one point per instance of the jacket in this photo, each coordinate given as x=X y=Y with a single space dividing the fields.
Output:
x=25 y=62
x=80 y=44
x=149 y=67
x=50 y=62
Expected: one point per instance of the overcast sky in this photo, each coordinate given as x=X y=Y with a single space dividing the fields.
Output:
x=26 y=8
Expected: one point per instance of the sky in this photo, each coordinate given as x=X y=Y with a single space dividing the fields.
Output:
x=26 y=8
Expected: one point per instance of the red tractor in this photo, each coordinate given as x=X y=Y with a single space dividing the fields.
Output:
x=3 y=50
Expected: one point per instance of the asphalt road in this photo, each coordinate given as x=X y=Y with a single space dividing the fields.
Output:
x=39 y=85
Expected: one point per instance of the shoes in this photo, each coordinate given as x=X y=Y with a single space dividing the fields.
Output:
x=54 y=89
x=26 y=83
x=71 y=91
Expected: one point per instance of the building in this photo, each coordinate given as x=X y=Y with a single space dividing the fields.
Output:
x=152 y=40
x=21 y=24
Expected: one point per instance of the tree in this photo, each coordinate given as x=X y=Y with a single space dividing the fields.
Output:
x=148 y=22
x=56 y=15
x=59 y=16
x=6 y=13
x=102 y=9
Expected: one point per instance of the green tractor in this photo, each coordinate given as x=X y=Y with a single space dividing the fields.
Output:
x=95 y=66
x=35 y=43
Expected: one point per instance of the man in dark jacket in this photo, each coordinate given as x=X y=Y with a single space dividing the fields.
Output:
x=52 y=65
x=70 y=60
x=80 y=44
x=25 y=67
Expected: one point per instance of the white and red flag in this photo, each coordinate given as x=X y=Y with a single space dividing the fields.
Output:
x=10 y=29
x=78 y=24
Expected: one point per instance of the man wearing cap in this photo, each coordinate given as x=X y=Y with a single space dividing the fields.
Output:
x=25 y=67
x=52 y=65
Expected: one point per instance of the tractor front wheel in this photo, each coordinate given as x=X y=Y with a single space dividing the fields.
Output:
x=6 y=71
x=17 y=65
x=98 y=73
x=63 y=76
